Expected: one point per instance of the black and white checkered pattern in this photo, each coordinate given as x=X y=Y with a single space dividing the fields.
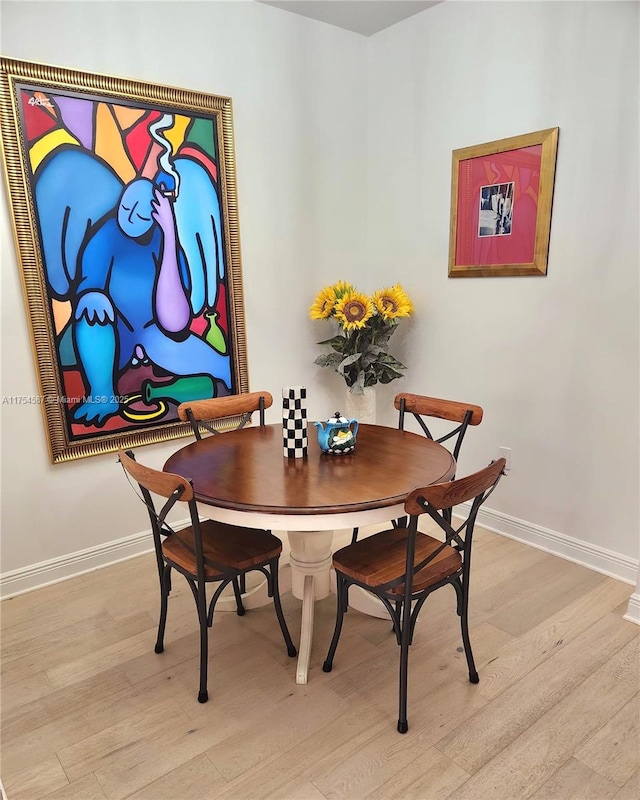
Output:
x=294 y=422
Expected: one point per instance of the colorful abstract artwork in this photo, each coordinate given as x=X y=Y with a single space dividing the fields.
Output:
x=129 y=202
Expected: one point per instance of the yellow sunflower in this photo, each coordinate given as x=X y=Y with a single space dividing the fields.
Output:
x=341 y=288
x=393 y=303
x=353 y=310
x=322 y=306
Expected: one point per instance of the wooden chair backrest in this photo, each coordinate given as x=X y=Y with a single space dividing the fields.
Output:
x=452 y=493
x=163 y=484
x=220 y=407
x=435 y=407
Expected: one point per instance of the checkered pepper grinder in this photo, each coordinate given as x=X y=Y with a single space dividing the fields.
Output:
x=294 y=422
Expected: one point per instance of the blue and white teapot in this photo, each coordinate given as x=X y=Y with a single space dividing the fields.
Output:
x=337 y=435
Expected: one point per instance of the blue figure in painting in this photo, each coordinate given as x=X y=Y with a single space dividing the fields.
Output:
x=137 y=262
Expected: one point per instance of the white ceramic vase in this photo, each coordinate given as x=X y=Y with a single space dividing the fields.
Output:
x=361 y=406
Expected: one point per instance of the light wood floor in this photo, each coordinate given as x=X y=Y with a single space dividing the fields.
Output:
x=90 y=711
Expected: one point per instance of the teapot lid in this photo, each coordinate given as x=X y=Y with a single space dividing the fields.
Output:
x=338 y=419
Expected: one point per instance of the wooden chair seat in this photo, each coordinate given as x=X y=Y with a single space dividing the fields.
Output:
x=233 y=547
x=382 y=557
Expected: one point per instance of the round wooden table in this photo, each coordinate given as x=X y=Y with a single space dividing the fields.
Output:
x=244 y=478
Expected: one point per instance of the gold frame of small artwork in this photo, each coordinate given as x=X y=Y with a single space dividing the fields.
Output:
x=64 y=441
x=538 y=265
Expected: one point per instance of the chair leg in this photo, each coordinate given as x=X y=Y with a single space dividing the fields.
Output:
x=464 y=624
x=238 y=594
x=291 y=650
x=354 y=535
x=165 y=588
x=341 y=604
x=398 y=633
x=403 y=725
x=203 y=694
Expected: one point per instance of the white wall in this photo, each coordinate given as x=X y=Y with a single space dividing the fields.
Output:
x=344 y=158
x=553 y=360
x=298 y=91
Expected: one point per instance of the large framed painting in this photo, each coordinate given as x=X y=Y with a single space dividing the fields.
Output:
x=123 y=197
x=501 y=198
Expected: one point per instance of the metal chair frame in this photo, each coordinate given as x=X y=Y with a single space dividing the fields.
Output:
x=264 y=400
x=459 y=431
x=225 y=575
x=404 y=609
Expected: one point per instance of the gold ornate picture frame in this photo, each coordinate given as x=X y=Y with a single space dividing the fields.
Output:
x=501 y=200
x=124 y=204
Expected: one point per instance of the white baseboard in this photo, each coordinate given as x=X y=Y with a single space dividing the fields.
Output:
x=633 y=610
x=600 y=559
x=44 y=573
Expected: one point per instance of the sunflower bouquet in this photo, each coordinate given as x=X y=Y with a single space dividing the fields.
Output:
x=365 y=324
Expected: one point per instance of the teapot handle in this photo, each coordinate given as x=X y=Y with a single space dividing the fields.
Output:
x=355 y=430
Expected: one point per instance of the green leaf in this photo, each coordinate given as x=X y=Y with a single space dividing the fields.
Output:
x=387 y=360
x=348 y=361
x=387 y=377
x=337 y=342
x=331 y=360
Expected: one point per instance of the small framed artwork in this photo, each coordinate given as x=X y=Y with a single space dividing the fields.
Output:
x=123 y=198
x=501 y=199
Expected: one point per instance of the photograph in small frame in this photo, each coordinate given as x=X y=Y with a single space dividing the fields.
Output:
x=124 y=206
x=496 y=209
x=501 y=202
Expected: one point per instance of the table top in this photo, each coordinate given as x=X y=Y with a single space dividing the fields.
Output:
x=245 y=470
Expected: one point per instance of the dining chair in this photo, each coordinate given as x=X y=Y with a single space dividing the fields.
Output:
x=403 y=566
x=204 y=552
x=236 y=409
x=421 y=408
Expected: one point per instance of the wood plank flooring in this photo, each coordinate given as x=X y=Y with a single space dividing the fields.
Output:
x=89 y=711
